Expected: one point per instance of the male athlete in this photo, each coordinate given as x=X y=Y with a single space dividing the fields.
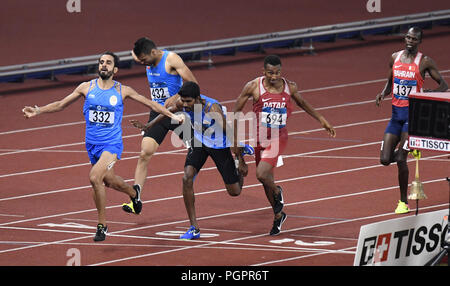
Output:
x=103 y=111
x=210 y=139
x=166 y=72
x=407 y=70
x=271 y=95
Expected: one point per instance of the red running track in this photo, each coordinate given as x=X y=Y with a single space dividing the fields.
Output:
x=332 y=186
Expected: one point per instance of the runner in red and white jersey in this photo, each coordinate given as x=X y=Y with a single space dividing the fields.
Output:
x=406 y=79
x=272 y=111
x=272 y=104
x=406 y=75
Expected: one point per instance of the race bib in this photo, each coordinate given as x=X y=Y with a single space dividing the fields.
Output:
x=273 y=117
x=159 y=91
x=101 y=116
x=403 y=87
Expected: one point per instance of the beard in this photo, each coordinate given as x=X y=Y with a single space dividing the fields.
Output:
x=104 y=75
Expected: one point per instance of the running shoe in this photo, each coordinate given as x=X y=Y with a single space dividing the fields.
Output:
x=276 y=228
x=279 y=201
x=416 y=154
x=135 y=205
x=248 y=150
x=101 y=233
x=192 y=233
x=402 y=208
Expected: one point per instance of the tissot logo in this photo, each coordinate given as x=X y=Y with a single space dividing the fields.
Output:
x=402 y=244
x=430 y=144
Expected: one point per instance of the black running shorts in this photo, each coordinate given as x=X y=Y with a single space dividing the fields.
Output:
x=223 y=159
x=159 y=131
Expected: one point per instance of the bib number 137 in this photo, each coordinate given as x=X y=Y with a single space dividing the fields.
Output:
x=403 y=90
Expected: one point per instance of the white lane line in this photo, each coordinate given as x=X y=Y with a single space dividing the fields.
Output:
x=172 y=151
x=92 y=220
x=182 y=172
x=252 y=237
x=245 y=186
x=60 y=125
x=215 y=191
x=11 y=215
x=3 y=226
x=223 y=102
x=328 y=224
x=12 y=152
x=250 y=247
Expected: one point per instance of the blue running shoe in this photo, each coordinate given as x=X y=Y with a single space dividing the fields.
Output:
x=248 y=150
x=192 y=233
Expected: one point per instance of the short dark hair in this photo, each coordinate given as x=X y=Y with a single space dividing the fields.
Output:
x=116 y=58
x=143 y=46
x=273 y=60
x=417 y=30
x=189 y=89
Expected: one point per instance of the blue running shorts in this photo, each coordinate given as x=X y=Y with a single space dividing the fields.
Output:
x=399 y=121
x=95 y=150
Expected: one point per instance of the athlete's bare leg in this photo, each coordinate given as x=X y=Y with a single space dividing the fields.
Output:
x=264 y=174
x=96 y=176
x=188 y=194
x=148 y=148
x=389 y=155
x=402 y=165
x=117 y=183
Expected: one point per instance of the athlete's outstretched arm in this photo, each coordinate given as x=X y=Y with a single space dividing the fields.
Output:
x=59 y=105
x=302 y=103
x=131 y=93
x=143 y=127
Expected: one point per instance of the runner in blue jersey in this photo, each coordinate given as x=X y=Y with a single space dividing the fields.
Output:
x=210 y=140
x=166 y=72
x=103 y=111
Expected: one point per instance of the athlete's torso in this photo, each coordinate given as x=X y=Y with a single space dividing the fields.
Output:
x=272 y=109
x=103 y=110
x=206 y=129
x=162 y=84
x=406 y=79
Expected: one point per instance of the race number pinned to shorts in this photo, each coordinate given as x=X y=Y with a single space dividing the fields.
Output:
x=273 y=117
x=159 y=91
x=101 y=115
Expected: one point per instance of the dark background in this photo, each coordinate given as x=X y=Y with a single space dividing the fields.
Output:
x=32 y=30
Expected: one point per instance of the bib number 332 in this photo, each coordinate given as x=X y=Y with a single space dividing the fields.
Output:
x=101 y=116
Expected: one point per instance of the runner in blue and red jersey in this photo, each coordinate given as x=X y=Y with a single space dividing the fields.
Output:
x=407 y=70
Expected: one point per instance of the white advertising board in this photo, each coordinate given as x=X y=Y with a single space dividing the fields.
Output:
x=411 y=240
